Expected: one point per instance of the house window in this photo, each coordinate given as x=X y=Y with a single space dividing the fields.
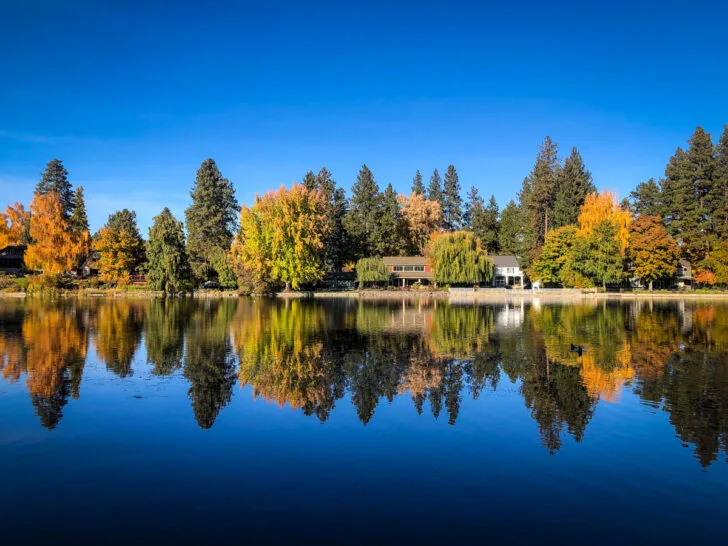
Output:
x=397 y=268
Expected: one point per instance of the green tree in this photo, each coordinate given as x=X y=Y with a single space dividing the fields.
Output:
x=685 y=190
x=719 y=191
x=452 y=203
x=390 y=231
x=597 y=255
x=55 y=179
x=554 y=255
x=482 y=220
x=211 y=219
x=653 y=252
x=511 y=233
x=169 y=267
x=459 y=258
x=434 y=190
x=337 y=245
x=473 y=206
x=417 y=185
x=574 y=183
x=362 y=217
x=79 y=219
x=537 y=197
x=371 y=270
x=120 y=247
x=646 y=198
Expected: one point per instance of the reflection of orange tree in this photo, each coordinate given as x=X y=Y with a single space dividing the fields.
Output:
x=119 y=325
x=281 y=358
x=12 y=359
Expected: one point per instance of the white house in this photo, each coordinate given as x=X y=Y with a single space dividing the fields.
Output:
x=507 y=271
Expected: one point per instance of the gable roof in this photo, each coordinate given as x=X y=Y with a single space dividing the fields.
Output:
x=504 y=261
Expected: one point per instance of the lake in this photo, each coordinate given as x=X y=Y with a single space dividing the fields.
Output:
x=347 y=421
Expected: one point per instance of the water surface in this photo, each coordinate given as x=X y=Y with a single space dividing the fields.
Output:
x=184 y=421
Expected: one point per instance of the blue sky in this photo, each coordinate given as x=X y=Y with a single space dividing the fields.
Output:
x=132 y=96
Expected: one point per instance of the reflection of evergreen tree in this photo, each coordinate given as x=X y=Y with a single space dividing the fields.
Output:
x=209 y=363
x=164 y=333
x=49 y=408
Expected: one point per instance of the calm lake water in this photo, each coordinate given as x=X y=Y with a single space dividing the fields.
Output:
x=348 y=422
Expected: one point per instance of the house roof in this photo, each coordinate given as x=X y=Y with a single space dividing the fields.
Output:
x=504 y=261
x=13 y=251
x=405 y=260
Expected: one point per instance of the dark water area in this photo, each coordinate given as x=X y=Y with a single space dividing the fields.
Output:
x=347 y=422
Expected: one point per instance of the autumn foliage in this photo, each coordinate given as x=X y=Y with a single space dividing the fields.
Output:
x=600 y=207
x=654 y=253
x=55 y=247
x=12 y=224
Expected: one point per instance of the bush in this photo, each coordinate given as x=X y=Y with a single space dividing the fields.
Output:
x=6 y=282
x=44 y=286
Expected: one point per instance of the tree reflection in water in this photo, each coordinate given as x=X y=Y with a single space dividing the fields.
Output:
x=309 y=355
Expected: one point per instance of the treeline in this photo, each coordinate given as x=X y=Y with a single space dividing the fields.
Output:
x=562 y=231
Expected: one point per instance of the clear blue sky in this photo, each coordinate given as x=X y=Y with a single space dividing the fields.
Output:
x=133 y=96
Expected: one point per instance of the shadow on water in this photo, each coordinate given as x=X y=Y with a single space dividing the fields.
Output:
x=311 y=356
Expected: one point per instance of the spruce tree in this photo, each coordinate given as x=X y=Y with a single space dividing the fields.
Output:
x=389 y=233
x=211 y=219
x=55 y=179
x=79 y=219
x=686 y=189
x=511 y=233
x=473 y=204
x=417 y=185
x=646 y=199
x=336 y=245
x=489 y=227
x=169 y=267
x=719 y=191
x=538 y=195
x=362 y=217
x=451 y=200
x=434 y=191
x=574 y=183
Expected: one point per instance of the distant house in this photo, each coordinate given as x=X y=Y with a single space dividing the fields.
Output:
x=12 y=259
x=684 y=274
x=407 y=270
x=507 y=271
x=682 y=278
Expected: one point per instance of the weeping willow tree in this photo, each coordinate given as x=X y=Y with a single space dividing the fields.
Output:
x=371 y=270
x=459 y=258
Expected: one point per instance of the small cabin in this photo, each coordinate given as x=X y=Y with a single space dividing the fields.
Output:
x=12 y=259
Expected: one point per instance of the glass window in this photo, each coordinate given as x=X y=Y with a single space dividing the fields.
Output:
x=397 y=268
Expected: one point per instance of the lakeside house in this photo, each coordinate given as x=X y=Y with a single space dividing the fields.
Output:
x=12 y=259
x=682 y=279
x=406 y=270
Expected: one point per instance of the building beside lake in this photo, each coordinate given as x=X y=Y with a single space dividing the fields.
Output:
x=407 y=270
x=12 y=259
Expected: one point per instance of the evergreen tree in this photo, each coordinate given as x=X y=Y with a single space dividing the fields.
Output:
x=538 y=195
x=511 y=233
x=719 y=191
x=337 y=245
x=389 y=232
x=473 y=204
x=451 y=200
x=574 y=183
x=362 y=217
x=417 y=185
x=489 y=227
x=646 y=198
x=169 y=267
x=434 y=191
x=55 y=179
x=686 y=190
x=79 y=219
x=211 y=219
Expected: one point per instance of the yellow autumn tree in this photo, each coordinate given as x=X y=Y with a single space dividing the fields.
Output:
x=604 y=206
x=12 y=224
x=281 y=236
x=423 y=218
x=120 y=247
x=55 y=247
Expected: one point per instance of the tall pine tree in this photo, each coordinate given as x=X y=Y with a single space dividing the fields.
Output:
x=434 y=190
x=490 y=227
x=451 y=200
x=538 y=195
x=362 y=217
x=719 y=191
x=574 y=183
x=646 y=199
x=169 y=267
x=389 y=238
x=211 y=219
x=473 y=204
x=417 y=185
x=511 y=233
x=55 y=179
x=79 y=218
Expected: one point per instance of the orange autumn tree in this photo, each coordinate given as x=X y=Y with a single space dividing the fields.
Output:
x=12 y=224
x=653 y=252
x=55 y=247
x=600 y=207
x=423 y=216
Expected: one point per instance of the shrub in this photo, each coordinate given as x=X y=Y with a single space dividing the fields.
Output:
x=44 y=286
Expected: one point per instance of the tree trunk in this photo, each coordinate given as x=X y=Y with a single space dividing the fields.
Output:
x=650 y=286
x=287 y=287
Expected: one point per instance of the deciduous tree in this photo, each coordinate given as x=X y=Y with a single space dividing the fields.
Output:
x=597 y=254
x=653 y=252
x=13 y=225
x=371 y=270
x=459 y=258
x=120 y=247
x=423 y=218
x=281 y=236
x=555 y=253
x=603 y=207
